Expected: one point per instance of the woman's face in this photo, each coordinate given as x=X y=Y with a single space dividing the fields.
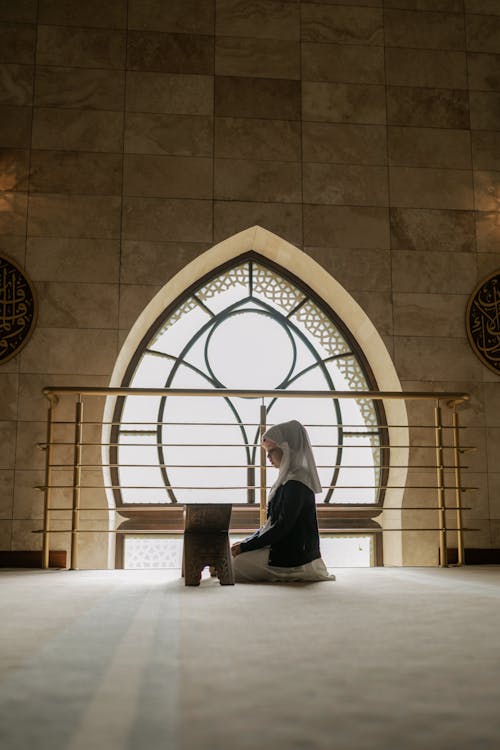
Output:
x=275 y=456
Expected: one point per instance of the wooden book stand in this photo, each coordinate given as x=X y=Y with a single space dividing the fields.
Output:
x=206 y=542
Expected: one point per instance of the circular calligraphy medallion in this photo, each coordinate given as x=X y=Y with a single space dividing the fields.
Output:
x=482 y=321
x=18 y=309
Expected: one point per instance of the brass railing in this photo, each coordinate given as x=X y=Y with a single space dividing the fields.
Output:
x=446 y=446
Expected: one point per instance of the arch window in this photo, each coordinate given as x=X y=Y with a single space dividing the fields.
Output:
x=250 y=325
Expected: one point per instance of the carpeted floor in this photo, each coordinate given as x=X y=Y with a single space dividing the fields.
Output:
x=383 y=658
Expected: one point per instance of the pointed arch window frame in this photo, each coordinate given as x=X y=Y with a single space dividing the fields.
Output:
x=355 y=350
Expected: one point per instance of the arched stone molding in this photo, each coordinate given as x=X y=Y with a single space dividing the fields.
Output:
x=285 y=254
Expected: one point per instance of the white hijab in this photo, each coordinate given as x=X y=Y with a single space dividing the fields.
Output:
x=298 y=460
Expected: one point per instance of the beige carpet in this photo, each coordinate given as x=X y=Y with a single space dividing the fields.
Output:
x=383 y=658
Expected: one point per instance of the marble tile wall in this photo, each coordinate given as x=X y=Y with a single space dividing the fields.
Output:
x=134 y=135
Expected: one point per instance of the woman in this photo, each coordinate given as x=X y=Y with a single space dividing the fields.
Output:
x=286 y=547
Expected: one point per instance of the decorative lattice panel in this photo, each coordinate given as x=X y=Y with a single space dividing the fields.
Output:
x=153 y=552
x=181 y=311
x=321 y=328
x=275 y=288
x=229 y=279
x=337 y=551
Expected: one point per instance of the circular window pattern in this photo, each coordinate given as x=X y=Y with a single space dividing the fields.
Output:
x=17 y=309
x=483 y=321
x=250 y=350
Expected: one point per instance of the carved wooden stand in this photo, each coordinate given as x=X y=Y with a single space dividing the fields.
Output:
x=206 y=542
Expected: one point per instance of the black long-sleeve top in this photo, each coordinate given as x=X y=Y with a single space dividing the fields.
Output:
x=293 y=532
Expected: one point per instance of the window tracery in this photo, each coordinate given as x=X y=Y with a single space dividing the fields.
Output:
x=252 y=327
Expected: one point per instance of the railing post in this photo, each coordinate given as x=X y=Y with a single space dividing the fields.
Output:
x=77 y=476
x=458 y=486
x=263 y=468
x=438 y=431
x=48 y=486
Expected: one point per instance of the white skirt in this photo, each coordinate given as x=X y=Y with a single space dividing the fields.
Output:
x=254 y=566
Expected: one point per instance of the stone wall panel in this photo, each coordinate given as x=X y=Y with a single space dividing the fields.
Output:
x=80 y=48
x=271 y=20
x=177 y=135
x=109 y=15
x=79 y=88
x=178 y=16
x=345 y=63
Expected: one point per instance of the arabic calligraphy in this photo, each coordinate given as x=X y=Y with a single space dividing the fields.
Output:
x=483 y=321
x=17 y=309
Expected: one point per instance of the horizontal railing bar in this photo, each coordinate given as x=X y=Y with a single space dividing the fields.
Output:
x=376 y=429
x=351 y=432
x=244 y=445
x=138 y=432
x=353 y=531
x=68 y=467
x=253 y=506
x=249 y=487
x=48 y=391
x=248 y=506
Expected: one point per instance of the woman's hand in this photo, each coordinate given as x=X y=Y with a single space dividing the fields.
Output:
x=236 y=549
